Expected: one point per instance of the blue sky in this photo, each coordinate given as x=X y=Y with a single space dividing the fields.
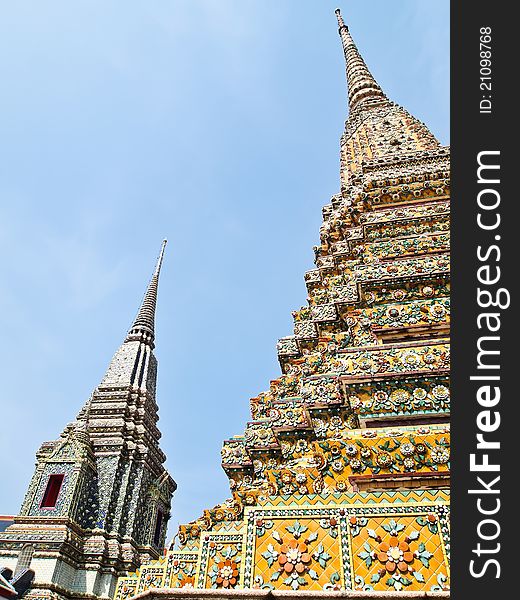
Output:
x=214 y=123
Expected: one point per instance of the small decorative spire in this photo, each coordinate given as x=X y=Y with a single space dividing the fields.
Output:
x=144 y=323
x=362 y=87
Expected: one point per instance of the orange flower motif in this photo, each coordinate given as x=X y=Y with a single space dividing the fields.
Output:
x=227 y=573
x=395 y=555
x=294 y=556
x=187 y=582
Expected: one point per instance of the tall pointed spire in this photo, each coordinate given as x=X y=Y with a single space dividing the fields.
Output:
x=362 y=87
x=102 y=483
x=144 y=323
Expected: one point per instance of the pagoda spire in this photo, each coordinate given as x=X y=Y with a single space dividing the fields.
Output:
x=363 y=89
x=144 y=324
x=103 y=482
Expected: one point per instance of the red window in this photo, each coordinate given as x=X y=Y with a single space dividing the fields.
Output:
x=158 y=528
x=52 y=491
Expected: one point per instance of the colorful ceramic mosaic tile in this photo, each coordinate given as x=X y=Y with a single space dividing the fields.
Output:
x=340 y=481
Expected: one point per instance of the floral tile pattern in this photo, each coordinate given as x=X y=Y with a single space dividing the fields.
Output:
x=181 y=570
x=340 y=480
x=405 y=552
x=296 y=553
x=221 y=558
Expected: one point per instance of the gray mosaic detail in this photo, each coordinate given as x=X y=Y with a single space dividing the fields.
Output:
x=114 y=483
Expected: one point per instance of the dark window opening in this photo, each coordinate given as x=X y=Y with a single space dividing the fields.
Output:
x=52 y=491
x=158 y=528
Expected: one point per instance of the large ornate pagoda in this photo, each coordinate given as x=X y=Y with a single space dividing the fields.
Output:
x=341 y=478
x=99 y=500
